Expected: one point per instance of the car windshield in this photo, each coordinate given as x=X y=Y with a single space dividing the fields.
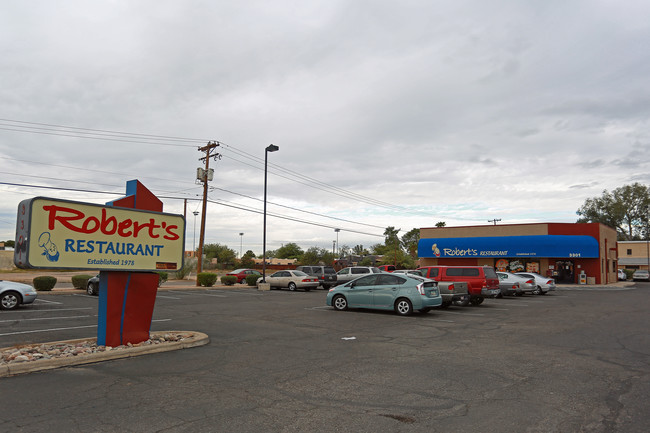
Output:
x=236 y=271
x=329 y=270
x=489 y=272
x=300 y=273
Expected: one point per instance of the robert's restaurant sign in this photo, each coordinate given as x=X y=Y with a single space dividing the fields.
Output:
x=52 y=233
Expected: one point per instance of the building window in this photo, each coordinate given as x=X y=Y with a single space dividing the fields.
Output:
x=629 y=251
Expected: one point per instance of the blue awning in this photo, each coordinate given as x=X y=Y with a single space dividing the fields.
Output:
x=578 y=246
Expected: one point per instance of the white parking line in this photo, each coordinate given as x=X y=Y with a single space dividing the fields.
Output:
x=46 y=318
x=196 y=294
x=41 y=311
x=48 y=302
x=166 y=297
x=63 y=329
x=48 y=330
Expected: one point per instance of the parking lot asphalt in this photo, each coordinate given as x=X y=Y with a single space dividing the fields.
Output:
x=573 y=360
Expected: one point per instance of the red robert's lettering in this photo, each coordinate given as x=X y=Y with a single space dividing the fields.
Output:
x=77 y=221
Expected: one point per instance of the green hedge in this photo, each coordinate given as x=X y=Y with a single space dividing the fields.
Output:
x=44 y=283
x=228 y=280
x=206 y=279
x=80 y=281
x=251 y=280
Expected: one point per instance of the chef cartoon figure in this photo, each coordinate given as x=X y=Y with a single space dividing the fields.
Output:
x=50 y=251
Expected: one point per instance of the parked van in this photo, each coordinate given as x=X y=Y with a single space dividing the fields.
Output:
x=326 y=274
x=482 y=281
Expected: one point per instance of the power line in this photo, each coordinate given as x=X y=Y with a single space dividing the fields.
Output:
x=128 y=137
x=218 y=202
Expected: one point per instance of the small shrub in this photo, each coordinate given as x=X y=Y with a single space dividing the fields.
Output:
x=251 y=280
x=44 y=284
x=206 y=279
x=80 y=281
x=183 y=272
x=229 y=280
x=162 y=278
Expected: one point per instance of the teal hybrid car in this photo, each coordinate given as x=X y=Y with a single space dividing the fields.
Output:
x=402 y=293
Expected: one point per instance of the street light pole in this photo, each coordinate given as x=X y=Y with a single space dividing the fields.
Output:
x=241 y=242
x=269 y=148
x=337 y=240
x=196 y=212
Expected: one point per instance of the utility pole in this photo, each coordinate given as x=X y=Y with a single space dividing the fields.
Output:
x=205 y=175
x=494 y=221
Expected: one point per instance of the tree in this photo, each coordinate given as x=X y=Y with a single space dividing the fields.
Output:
x=289 y=251
x=359 y=250
x=410 y=242
x=247 y=259
x=223 y=254
x=312 y=256
x=441 y=224
x=390 y=237
x=625 y=209
x=10 y=243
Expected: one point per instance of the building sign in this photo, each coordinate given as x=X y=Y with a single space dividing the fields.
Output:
x=52 y=233
x=579 y=246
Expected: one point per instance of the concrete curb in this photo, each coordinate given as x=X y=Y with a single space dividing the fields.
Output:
x=198 y=339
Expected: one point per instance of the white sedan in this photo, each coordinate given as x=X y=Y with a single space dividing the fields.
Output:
x=13 y=294
x=292 y=280
x=544 y=284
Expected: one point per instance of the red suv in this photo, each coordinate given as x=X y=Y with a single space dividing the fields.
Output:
x=482 y=281
x=387 y=268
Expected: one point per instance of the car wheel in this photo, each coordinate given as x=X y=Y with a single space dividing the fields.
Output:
x=91 y=289
x=292 y=286
x=462 y=303
x=340 y=303
x=403 y=307
x=9 y=300
x=476 y=301
x=537 y=291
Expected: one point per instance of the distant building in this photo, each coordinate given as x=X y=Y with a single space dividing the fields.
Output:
x=633 y=254
x=274 y=261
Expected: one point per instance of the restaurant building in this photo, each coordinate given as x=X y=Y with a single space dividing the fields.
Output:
x=569 y=252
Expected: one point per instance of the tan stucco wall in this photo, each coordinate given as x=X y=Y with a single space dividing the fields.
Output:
x=6 y=259
x=484 y=231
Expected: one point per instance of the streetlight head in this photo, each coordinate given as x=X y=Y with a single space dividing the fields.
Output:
x=272 y=148
x=196 y=212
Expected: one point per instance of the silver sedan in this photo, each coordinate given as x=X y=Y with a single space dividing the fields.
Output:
x=13 y=294
x=526 y=285
x=544 y=284
x=292 y=280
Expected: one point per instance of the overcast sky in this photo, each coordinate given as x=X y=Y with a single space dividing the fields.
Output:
x=387 y=113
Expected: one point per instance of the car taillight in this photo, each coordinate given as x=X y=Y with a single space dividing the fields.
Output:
x=514 y=286
x=549 y=282
x=530 y=282
x=451 y=287
x=420 y=288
